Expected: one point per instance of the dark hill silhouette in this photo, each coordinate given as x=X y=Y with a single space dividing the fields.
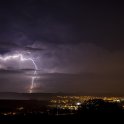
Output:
x=100 y=106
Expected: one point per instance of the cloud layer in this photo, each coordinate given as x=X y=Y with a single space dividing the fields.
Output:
x=81 y=67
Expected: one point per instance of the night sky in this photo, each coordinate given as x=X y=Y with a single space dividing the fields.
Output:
x=78 y=47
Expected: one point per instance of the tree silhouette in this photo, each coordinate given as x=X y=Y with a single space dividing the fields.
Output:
x=99 y=106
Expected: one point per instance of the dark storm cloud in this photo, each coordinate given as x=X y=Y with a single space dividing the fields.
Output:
x=24 y=22
x=89 y=83
x=6 y=47
x=32 y=49
x=81 y=57
x=15 y=71
x=82 y=67
x=87 y=68
x=30 y=21
x=9 y=47
x=81 y=40
x=8 y=71
x=14 y=81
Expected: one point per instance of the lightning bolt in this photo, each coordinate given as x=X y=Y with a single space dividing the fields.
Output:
x=22 y=58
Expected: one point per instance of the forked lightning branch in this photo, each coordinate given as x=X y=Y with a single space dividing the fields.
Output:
x=22 y=58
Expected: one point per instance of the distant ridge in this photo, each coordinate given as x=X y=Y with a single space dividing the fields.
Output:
x=46 y=96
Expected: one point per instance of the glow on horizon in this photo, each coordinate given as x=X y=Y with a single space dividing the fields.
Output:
x=22 y=58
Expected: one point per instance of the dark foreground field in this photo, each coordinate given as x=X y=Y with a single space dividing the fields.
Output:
x=84 y=118
x=35 y=111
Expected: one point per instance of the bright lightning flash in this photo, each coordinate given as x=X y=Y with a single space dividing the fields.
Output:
x=22 y=58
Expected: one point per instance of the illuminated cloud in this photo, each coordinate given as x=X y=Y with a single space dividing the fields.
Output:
x=21 y=58
x=66 y=40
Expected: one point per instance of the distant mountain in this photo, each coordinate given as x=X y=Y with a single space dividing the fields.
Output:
x=27 y=96
x=42 y=96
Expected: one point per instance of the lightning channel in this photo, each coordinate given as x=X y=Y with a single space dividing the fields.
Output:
x=22 y=58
